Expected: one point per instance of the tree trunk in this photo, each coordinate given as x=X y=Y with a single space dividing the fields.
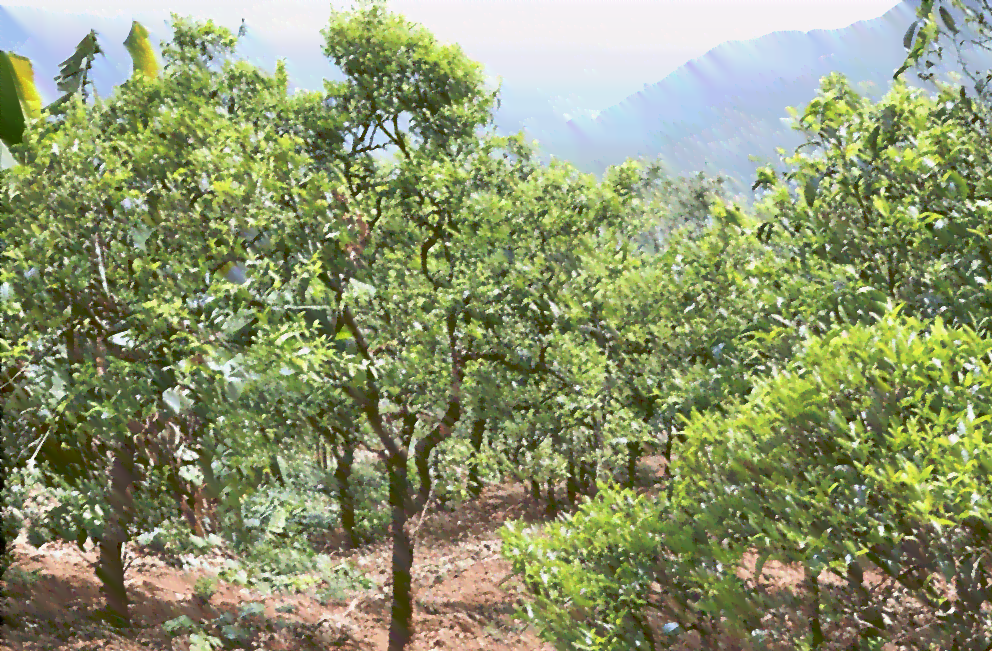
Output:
x=633 y=456
x=426 y=445
x=535 y=491
x=401 y=625
x=110 y=568
x=422 y=453
x=552 y=508
x=816 y=631
x=588 y=479
x=668 y=453
x=474 y=483
x=572 y=483
x=342 y=473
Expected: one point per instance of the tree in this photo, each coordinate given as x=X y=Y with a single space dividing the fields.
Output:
x=965 y=23
x=118 y=229
x=863 y=221
x=676 y=202
x=898 y=195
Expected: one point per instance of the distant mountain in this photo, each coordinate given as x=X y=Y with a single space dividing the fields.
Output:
x=715 y=111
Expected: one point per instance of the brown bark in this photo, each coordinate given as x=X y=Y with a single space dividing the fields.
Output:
x=588 y=478
x=322 y=456
x=395 y=457
x=633 y=456
x=422 y=454
x=110 y=568
x=342 y=473
x=572 y=482
x=478 y=431
x=552 y=506
x=401 y=624
x=157 y=436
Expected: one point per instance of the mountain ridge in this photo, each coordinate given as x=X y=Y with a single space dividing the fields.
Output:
x=717 y=110
x=711 y=114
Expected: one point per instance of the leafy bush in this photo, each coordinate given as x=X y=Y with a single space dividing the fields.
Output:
x=371 y=491
x=589 y=575
x=270 y=566
x=173 y=537
x=899 y=192
x=11 y=523
x=871 y=445
x=205 y=587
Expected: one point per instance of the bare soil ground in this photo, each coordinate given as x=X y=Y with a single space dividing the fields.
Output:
x=464 y=592
x=464 y=595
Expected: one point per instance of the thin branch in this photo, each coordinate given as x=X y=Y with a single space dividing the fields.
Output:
x=99 y=259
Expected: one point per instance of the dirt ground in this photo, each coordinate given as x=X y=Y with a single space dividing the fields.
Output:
x=464 y=592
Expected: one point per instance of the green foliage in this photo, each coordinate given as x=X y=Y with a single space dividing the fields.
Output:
x=381 y=53
x=872 y=445
x=205 y=587
x=590 y=574
x=898 y=192
x=674 y=203
x=202 y=276
x=13 y=505
x=848 y=453
x=292 y=569
x=179 y=625
x=19 y=98
x=159 y=156
x=849 y=446
x=140 y=49
x=11 y=525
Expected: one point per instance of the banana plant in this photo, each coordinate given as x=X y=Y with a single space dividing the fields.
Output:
x=19 y=98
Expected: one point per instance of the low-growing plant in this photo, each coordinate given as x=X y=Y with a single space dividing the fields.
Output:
x=871 y=446
x=205 y=587
x=181 y=625
x=174 y=538
x=16 y=574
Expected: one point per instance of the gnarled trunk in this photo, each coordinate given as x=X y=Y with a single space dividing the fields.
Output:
x=633 y=456
x=426 y=445
x=478 y=431
x=401 y=625
x=346 y=499
x=110 y=567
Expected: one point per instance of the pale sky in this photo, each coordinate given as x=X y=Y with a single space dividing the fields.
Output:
x=554 y=56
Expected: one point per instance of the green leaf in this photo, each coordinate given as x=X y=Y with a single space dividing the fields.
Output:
x=277 y=523
x=960 y=184
x=945 y=15
x=907 y=39
x=11 y=113
x=809 y=190
x=73 y=71
x=27 y=92
x=873 y=140
x=179 y=626
x=140 y=49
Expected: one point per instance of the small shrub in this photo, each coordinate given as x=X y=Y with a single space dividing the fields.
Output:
x=205 y=587
x=38 y=535
x=181 y=625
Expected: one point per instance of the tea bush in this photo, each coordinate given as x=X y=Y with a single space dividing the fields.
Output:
x=871 y=446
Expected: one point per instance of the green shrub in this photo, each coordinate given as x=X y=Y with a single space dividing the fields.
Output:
x=873 y=445
x=205 y=587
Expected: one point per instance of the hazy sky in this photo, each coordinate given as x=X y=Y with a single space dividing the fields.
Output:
x=555 y=57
